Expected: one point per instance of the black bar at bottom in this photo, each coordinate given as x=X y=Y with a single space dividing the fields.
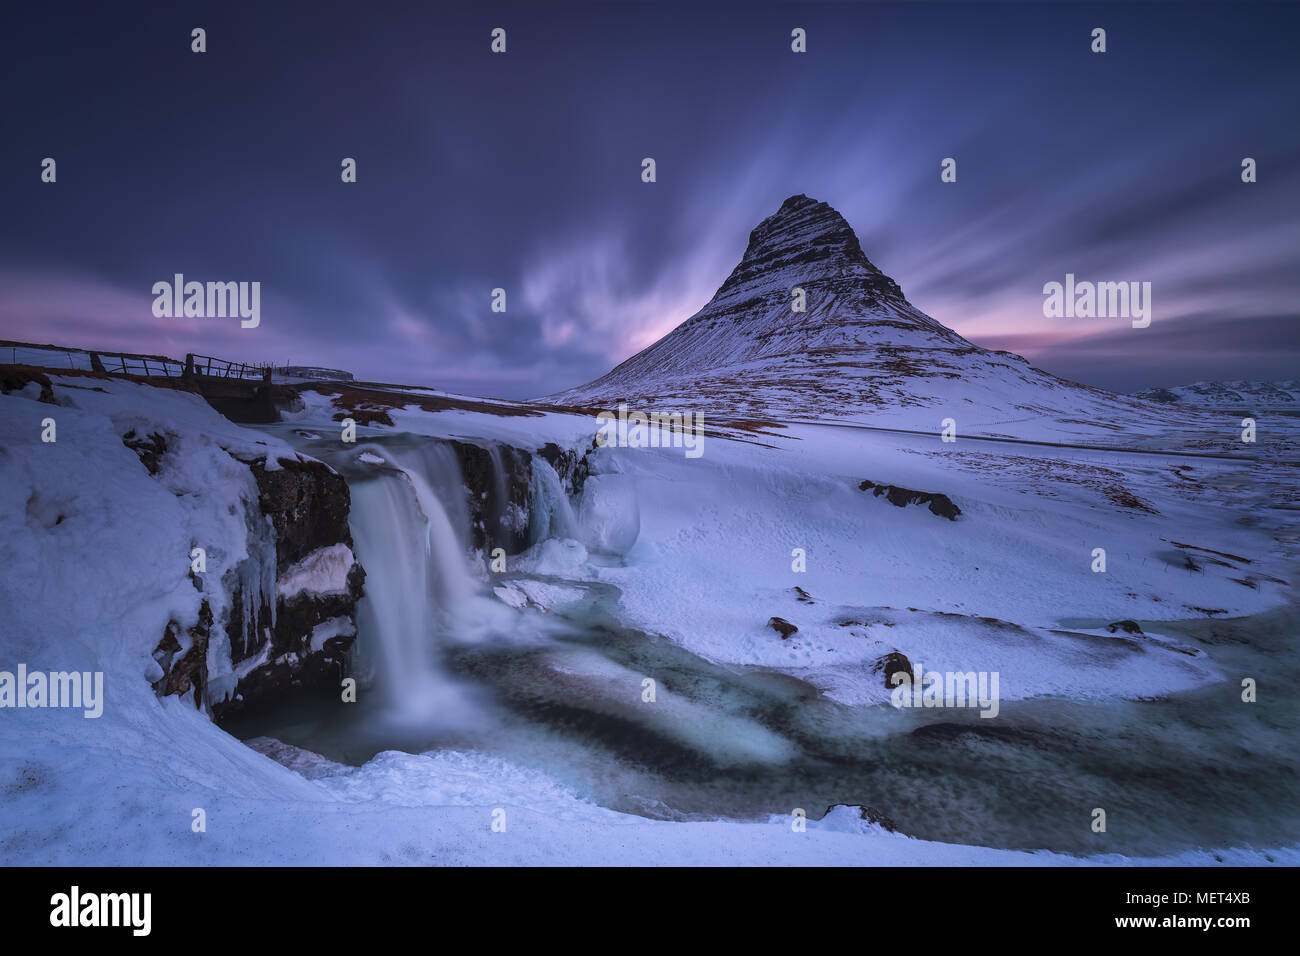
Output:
x=969 y=905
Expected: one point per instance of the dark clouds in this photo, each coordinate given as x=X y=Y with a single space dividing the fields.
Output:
x=522 y=172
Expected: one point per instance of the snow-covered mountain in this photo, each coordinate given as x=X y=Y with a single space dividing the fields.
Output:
x=1232 y=396
x=860 y=350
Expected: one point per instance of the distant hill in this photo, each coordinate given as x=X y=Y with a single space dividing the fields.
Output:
x=1229 y=395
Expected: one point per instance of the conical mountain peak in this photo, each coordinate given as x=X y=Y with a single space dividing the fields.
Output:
x=804 y=311
x=804 y=243
x=801 y=220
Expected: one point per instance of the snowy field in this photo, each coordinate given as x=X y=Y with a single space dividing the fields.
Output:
x=698 y=552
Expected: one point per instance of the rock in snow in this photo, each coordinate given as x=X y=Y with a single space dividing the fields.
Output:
x=892 y=663
x=940 y=505
x=782 y=627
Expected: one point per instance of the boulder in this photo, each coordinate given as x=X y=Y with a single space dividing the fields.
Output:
x=892 y=663
x=939 y=504
x=782 y=626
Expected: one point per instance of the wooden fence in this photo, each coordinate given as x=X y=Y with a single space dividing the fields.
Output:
x=131 y=363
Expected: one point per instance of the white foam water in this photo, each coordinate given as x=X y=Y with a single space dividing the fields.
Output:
x=412 y=540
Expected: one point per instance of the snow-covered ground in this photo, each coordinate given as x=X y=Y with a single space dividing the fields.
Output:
x=95 y=551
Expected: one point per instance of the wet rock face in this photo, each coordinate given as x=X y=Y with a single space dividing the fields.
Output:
x=498 y=480
x=305 y=567
x=499 y=487
x=182 y=655
x=571 y=466
x=308 y=504
x=306 y=647
x=318 y=584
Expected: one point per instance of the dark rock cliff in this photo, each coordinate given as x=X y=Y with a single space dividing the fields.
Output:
x=570 y=465
x=292 y=602
x=290 y=606
x=498 y=481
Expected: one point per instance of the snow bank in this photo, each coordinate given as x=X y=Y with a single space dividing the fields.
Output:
x=609 y=514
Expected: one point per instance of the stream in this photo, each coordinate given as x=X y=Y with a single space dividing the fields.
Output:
x=446 y=665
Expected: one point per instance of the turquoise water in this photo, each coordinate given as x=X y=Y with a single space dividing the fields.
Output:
x=1194 y=770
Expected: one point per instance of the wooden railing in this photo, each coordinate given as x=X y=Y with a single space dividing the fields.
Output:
x=211 y=367
x=125 y=363
x=131 y=363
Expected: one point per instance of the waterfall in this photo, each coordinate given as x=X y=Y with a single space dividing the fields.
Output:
x=550 y=514
x=434 y=476
x=410 y=528
x=411 y=521
x=499 y=529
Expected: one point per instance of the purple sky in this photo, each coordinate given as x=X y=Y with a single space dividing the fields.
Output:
x=521 y=171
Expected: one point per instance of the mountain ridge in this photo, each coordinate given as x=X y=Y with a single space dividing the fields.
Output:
x=860 y=352
x=1236 y=393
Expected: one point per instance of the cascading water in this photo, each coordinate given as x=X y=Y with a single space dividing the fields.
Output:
x=434 y=476
x=411 y=538
x=551 y=515
x=411 y=527
x=500 y=500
